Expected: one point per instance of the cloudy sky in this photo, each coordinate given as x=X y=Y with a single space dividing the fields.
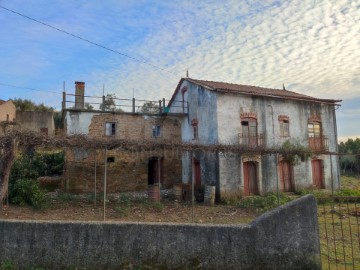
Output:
x=313 y=47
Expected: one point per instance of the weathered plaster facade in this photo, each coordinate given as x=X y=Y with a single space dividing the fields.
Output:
x=222 y=115
x=36 y=121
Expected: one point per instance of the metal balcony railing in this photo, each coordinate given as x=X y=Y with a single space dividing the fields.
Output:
x=251 y=140
x=319 y=143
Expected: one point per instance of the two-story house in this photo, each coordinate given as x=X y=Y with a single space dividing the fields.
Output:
x=126 y=170
x=225 y=113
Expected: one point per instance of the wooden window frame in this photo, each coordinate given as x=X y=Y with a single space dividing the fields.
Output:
x=156 y=131
x=111 y=129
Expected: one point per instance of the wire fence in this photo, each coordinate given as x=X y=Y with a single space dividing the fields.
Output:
x=339 y=232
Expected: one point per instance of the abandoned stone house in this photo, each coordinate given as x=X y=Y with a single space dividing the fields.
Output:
x=211 y=113
x=7 y=116
x=228 y=113
x=126 y=170
x=36 y=121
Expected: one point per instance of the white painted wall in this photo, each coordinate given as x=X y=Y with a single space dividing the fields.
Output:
x=268 y=110
x=78 y=122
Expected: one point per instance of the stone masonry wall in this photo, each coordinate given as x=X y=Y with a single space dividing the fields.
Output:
x=284 y=238
x=126 y=171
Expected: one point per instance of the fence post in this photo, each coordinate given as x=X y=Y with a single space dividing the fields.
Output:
x=64 y=101
x=95 y=178
x=103 y=103
x=160 y=109
x=133 y=105
x=105 y=174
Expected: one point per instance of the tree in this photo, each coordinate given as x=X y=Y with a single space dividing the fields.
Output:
x=350 y=163
x=28 y=105
x=88 y=106
x=109 y=104
x=150 y=107
x=58 y=122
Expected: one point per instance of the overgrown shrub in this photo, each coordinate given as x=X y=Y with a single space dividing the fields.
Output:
x=347 y=192
x=24 y=188
x=262 y=203
x=27 y=192
x=32 y=164
x=7 y=265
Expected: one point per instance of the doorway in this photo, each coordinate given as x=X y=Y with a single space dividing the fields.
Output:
x=286 y=176
x=250 y=178
x=318 y=173
x=155 y=170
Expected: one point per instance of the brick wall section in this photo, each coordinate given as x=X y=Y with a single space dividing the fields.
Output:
x=129 y=171
x=135 y=127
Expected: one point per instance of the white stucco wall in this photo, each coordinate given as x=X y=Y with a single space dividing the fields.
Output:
x=268 y=110
x=78 y=122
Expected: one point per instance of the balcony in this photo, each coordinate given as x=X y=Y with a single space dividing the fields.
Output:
x=319 y=143
x=251 y=140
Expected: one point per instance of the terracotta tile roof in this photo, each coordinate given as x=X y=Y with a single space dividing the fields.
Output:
x=255 y=90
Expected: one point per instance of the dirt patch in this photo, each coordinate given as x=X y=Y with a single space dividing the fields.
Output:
x=125 y=209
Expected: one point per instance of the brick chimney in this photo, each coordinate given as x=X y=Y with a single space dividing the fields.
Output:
x=79 y=95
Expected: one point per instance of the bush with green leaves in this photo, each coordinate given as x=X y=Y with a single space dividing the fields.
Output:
x=27 y=192
x=24 y=188
x=7 y=265
x=263 y=203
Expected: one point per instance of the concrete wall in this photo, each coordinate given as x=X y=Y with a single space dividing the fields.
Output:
x=35 y=121
x=285 y=238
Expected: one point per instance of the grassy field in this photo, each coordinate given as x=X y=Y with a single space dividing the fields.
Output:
x=339 y=226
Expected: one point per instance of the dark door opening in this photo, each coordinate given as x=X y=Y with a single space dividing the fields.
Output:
x=155 y=170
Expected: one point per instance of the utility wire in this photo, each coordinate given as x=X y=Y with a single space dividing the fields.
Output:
x=88 y=41
x=32 y=89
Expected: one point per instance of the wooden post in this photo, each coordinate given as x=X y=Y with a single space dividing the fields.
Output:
x=105 y=175
x=95 y=178
x=103 y=103
x=64 y=101
x=159 y=177
x=160 y=109
x=133 y=105
x=8 y=160
x=192 y=187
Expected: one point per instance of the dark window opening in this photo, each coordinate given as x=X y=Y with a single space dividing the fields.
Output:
x=110 y=159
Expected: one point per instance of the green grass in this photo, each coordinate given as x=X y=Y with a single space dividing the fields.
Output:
x=339 y=231
x=339 y=236
x=350 y=182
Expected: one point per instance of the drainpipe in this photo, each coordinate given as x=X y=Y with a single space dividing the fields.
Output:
x=336 y=146
x=277 y=155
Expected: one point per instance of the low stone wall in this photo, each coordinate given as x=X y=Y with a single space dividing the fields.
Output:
x=285 y=238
